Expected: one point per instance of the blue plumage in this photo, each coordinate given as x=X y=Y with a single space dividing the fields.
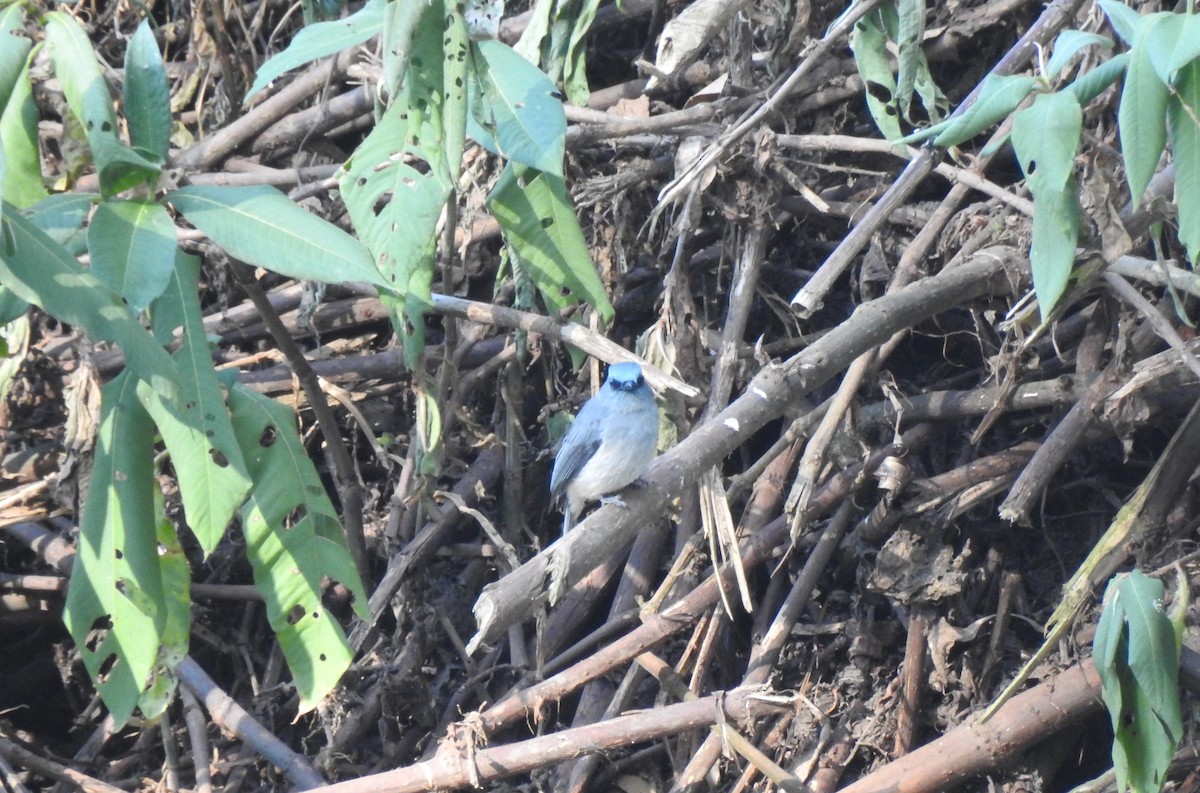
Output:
x=609 y=445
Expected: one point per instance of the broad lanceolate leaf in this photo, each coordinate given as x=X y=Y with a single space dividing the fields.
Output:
x=1123 y=18
x=177 y=616
x=1088 y=86
x=114 y=607
x=147 y=100
x=1182 y=117
x=321 y=39
x=999 y=96
x=260 y=225
x=13 y=49
x=518 y=116
x=397 y=182
x=541 y=230
x=579 y=17
x=294 y=541
x=1172 y=41
x=1140 y=118
x=911 y=31
x=21 y=182
x=1137 y=657
x=206 y=457
x=1068 y=43
x=118 y=166
x=41 y=272
x=1055 y=234
x=132 y=247
x=869 y=46
x=1046 y=136
x=62 y=216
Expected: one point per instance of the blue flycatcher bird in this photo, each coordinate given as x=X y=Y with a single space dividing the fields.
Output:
x=609 y=445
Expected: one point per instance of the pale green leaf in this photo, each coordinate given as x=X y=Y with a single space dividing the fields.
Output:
x=41 y=272
x=1141 y=119
x=321 y=39
x=62 y=217
x=909 y=35
x=293 y=542
x=1088 y=86
x=132 y=247
x=998 y=96
x=147 y=96
x=574 y=68
x=1055 y=234
x=206 y=457
x=1185 y=146
x=114 y=608
x=14 y=49
x=518 y=115
x=1123 y=19
x=22 y=178
x=260 y=225
x=1068 y=44
x=177 y=616
x=869 y=47
x=542 y=231
x=1045 y=137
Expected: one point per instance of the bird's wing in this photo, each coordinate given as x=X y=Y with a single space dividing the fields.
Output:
x=576 y=450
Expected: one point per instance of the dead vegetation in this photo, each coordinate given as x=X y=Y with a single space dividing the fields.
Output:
x=912 y=472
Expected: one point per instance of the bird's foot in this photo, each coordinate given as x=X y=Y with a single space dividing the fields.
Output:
x=614 y=500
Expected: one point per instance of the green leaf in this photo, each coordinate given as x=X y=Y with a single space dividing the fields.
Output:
x=1070 y=42
x=21 y=181
x=1088 y=86
x=132 y=247
x=1055 y=233
x=260 y=225
x=177 y=616
x=1172 y=42
x=208 y=462
x=910 y=32
x=574 y=71
x=543 y=232
x=14 y=49
x=1185 y=146
x=998 y=96
x=869 y=47
x=1046 y=136
x=400 y=22
x=41 y=272
x=1123 y=19
x=457 y=62
x=518 y=116
x=118 y=166
x=321 y=39
x=114 y=605
x=1140 y=118
x=1137 y=658
x=293 y=542
x=147 y=100
x=62 y=216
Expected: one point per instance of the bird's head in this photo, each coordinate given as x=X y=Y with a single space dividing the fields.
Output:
x=625 y=377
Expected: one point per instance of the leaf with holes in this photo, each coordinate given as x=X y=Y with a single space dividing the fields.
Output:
x=869 y=46
x=542 y=231
x=517 y=114
x=1137 y=657
x=208 y=462
x=1046 y=136
x=76 y=67
x=294 y=542
x=177 y=617
x=114 y=603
